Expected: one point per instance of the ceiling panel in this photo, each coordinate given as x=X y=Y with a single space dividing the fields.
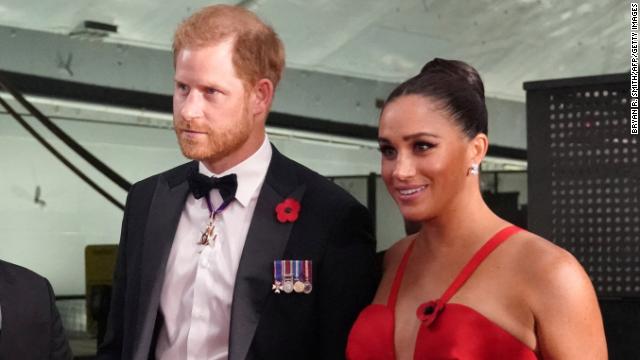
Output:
x=508 y=41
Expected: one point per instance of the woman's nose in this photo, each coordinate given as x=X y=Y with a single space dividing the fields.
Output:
x=404 y=168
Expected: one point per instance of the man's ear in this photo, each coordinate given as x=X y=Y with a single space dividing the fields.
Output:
x=478 y=147
x=262 y=97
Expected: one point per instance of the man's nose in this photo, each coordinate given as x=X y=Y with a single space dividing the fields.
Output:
x=192 y=106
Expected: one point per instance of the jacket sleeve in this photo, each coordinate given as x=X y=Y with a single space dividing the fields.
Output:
x=348 y=278
x=111 y=346
x=60 y=349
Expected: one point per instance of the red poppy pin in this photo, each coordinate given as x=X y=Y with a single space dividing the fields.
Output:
x=288 y=210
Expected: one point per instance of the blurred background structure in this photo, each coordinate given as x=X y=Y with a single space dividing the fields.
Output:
x=102 y=72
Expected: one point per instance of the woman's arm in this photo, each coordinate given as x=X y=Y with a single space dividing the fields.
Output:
x=565 y=306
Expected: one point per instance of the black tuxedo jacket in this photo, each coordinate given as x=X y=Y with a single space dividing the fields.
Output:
x=30 y=327
x=333 y=230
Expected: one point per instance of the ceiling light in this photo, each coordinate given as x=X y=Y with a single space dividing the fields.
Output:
x=93 y=30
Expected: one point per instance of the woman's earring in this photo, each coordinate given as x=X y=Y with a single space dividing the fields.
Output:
x=474 y=169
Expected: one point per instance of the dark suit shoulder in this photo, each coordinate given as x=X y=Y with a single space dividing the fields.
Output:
x=142 y=191
x=172 y=176
x=16 y=273
x=32 y=328
x=319 y=188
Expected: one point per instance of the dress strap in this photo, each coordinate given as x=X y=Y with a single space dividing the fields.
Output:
x=476 y=260
x=397 y=280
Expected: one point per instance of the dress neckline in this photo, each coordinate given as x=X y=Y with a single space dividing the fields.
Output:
x=435 y=336
x=428 y=311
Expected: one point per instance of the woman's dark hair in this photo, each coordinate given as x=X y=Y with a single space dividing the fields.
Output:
x=454 y=85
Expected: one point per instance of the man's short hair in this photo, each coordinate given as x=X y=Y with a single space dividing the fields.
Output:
x=258 y=53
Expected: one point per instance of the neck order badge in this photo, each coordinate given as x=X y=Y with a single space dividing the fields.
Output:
x=200 y=186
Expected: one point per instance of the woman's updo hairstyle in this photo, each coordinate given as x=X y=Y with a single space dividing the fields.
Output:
x=454 y=85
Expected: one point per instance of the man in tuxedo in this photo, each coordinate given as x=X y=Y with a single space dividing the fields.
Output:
x=30 y=325
x=203 y=267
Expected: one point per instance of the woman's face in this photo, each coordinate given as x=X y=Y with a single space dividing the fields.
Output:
x=425 y=156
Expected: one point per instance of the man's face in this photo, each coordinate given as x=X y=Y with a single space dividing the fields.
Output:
x=212 y=110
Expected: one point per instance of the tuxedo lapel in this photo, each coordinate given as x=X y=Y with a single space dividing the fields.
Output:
x=266 y=241
x=164 y=214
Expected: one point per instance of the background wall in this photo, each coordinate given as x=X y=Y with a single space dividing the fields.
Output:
x=137 y=143
x=50 y=237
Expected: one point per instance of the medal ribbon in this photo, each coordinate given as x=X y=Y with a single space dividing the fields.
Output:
x=212 y=213
x=296 y=269
x=277 y=271
x=287 y=269
x=307 y=270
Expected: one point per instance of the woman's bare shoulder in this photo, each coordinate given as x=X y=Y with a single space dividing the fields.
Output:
x=393 y=255
x=549 y=270
x=562 y=300
x=542 y=258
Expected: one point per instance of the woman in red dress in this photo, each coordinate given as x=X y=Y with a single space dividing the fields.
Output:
x=468 y=285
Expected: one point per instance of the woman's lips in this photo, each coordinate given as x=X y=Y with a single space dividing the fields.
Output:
x=410 y=192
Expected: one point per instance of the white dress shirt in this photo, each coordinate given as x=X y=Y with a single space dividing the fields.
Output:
x=199 y=279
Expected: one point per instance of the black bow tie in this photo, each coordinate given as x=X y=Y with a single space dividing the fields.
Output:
x=201 y=184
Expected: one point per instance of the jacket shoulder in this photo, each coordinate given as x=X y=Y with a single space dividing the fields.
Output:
x=319 y=188
x=140 y=194
x=172 y=176
x=13 y=272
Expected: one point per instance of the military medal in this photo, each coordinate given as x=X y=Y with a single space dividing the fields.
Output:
x=288 y=278
x=277 y=276
x=298 y=286
x=292 y=276
x=307 y=266
x=208 y=237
